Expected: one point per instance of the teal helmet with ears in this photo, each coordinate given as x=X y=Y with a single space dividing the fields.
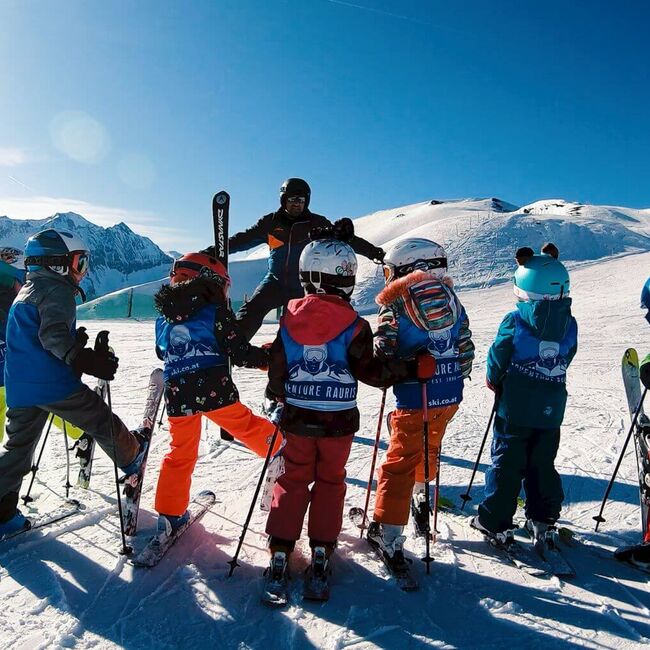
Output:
x=540 y=277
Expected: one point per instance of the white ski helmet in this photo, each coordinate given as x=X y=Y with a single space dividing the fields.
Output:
x=414 y=253
x=328 y=266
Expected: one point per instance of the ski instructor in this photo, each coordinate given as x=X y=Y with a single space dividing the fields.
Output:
x=286 y=231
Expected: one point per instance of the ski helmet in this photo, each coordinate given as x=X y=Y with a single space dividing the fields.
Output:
x=10 y=255
x=328 y=266
x=294 y=187
x=540 y=277
x=194 y=265
x=414 y=253
x=59 y=251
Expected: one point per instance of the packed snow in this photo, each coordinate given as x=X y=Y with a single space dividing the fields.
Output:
x=69 y=587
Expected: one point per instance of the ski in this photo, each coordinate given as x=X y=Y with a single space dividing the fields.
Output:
x=275 y=592
x=133 y=483
x=400 y=569
x=316 y=582
x=65 y=510
x=636 y=555
x=159 y=544
x=85 y=446
x=220 y=225
x=641 y=434
x=551 y=554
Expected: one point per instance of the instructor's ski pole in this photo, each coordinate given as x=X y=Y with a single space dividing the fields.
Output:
x=233 y=563
x=599 y=517
x=374 y=460
x=437 y=497
x=27 y=498
x=101 y=343
x=425 y=432
x=466 y=496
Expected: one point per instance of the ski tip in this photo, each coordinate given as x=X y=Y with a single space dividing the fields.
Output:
x=221 y=197
x=206 y=496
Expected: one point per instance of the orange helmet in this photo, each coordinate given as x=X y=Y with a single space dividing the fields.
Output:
x=195 y=265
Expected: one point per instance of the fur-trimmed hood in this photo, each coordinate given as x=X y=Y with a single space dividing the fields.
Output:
x=180 y=302
x=399 y=288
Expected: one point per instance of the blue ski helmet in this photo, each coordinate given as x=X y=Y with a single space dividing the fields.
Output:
x=540 y=277
x=58 y=250
x=645 y=299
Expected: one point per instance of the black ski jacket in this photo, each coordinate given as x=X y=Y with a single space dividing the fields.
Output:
x=286 y=238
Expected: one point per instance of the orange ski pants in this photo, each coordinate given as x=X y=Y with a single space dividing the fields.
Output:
x=404 y=463
x=173 y=490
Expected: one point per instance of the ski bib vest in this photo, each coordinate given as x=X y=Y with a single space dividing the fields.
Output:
x=446 y=387
x=190 y=345
x=543 y=361
x=319 y=376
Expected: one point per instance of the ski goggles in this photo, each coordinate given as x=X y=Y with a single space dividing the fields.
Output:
x=180 y=268
x=391 y=271
x=297 y=199
x=79 y=263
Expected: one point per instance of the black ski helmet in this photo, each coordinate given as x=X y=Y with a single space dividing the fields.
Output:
x=294 y=187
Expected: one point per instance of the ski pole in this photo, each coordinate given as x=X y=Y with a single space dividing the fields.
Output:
x=599 y=517
x=233 y=563
x=101 y=343
x=437 y=497
x=425 y=432
x=26 y=497
x=466 y=496
x=68 y=485
x=374 y=460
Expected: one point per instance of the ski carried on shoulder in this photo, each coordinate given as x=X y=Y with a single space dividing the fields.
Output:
x=39 y=522
x=398 y=567
x=220 y=225
x=159 y=544
x=133 y=483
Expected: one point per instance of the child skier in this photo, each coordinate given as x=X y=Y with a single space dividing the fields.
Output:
x=195 y=335
x=45 y=359
x=419 y=311
x=526 y=368
x=322 y=348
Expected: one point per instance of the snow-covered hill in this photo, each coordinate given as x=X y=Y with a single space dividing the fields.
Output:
x=480 y=236
x=119 y=257
x=70 y=587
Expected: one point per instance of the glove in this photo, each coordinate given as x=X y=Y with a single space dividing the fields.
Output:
x=275 y=414
x=425 y=366
x=80 y=337
x=378 y=255
x=343 y=229
x=98 y=364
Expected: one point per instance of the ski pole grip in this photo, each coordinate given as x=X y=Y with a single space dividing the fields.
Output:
x=101 y=342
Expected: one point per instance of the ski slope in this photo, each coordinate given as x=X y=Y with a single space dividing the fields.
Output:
x=70 y=587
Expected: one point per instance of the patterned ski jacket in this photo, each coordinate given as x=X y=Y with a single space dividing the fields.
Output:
x=322 y=348
x=421 y=313
x=286 y=238
x=196 y=334
x=528 y=361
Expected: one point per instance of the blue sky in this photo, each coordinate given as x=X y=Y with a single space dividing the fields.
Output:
x=140 y=111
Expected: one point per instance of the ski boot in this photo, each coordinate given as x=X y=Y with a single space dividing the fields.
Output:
x=420 y=513
x=168 y=525
x=316 y=585
x=388 y=543
x=502 y=539
x=545 y=536
x=143 y=436
x=14 y=525
x=276 y=583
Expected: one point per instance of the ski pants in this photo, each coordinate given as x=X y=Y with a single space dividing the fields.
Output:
x=3 y=410
x=84 y=409
x=404 y=463
x=308 y=460
x=174 y=482
x=521 y=454
x=270 y=294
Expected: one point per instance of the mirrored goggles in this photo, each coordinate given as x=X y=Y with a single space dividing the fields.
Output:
x=418 y=265
x=80 y=262
x=296 y=200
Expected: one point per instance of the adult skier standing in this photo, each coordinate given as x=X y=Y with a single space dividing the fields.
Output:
x=526 y=368
x=286 y=232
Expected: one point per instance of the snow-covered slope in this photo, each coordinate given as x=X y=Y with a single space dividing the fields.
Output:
x=119 y=257
x=480 y=236
x=71 y=588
